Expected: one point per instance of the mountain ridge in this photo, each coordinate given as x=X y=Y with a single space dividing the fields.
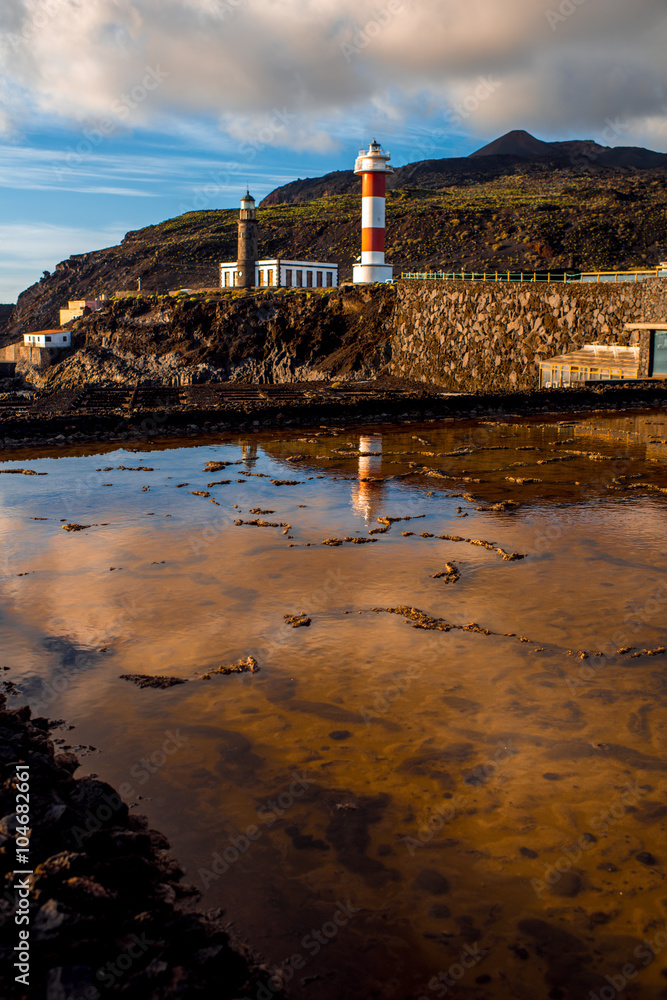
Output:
x=483 y=213
x=515 y=152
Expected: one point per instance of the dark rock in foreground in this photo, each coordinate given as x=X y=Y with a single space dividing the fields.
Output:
x=105 y=918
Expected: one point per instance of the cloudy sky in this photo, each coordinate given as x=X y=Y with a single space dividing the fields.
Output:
x=115 y=114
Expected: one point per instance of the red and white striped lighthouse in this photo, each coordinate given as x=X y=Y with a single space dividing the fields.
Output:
x=373 y=167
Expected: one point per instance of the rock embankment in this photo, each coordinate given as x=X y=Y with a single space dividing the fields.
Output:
x=267 y=337
x=108 y=911
x=108 y=413
x=479 y=336
x=489 y=335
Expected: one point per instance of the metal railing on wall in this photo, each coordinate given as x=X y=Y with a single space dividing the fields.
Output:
x=548 y=277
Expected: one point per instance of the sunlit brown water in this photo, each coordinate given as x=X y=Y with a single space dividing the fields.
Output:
x=429 y=781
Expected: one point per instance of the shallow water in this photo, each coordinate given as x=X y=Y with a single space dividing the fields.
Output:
x=487 y=805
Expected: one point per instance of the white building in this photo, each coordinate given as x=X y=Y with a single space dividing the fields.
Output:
x=48 y=338
x=278 y=273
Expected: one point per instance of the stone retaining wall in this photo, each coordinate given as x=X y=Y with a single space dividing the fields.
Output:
x=473 y=336
x=30 y=354
x=491 y=336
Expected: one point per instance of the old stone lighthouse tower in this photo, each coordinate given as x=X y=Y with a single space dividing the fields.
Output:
x=248 y=272
x=248 y=243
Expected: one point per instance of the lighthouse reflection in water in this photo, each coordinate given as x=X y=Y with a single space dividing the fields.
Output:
x=367 y=495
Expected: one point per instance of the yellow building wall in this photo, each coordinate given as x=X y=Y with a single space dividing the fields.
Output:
x=68 y=314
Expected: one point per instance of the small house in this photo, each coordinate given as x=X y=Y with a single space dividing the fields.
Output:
x=48 y=338
x=75 y=308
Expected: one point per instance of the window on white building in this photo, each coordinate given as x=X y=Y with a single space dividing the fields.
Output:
x=288 y=279
x=309 y=279
x=299 y=279
x=329 y=279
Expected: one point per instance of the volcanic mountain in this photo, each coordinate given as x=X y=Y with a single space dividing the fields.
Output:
x=517 y=204
x=515 y=152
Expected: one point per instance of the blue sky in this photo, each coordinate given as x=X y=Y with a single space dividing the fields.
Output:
x=115 y=114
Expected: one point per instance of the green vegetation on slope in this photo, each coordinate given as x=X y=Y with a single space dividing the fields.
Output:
x=554 y=220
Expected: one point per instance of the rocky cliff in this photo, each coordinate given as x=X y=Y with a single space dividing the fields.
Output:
x=534 y=216
x=477 y=336
x=105 y=894
x=263 y=337
x=6 y=310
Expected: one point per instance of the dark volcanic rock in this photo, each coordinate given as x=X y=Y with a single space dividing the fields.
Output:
x=567 y=886
x=104 y=888
x=6 y=310
x=517 y=153
x=431 y=881
x=153 y=681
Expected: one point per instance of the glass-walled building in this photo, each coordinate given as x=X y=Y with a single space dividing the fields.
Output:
x=592 y=363
x=645 y=359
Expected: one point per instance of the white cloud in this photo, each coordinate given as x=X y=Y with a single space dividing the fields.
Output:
x=136 y=62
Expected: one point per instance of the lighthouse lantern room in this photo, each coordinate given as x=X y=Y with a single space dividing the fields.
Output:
x=373 y=166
